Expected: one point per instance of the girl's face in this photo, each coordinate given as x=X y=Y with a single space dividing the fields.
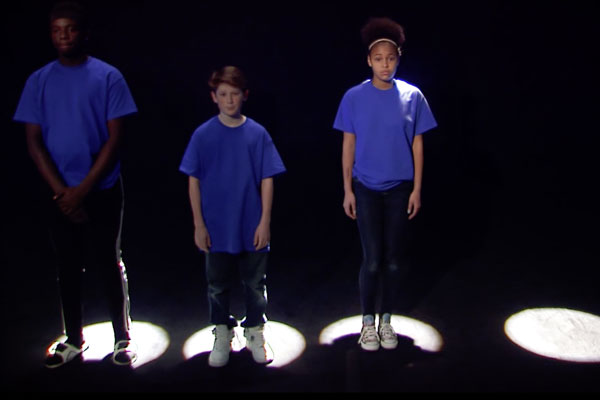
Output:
x=229 y=99
x=383 y=59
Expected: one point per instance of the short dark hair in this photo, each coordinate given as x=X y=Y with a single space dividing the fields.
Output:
x=72 y=10
x=229 y=74
x=382 y=28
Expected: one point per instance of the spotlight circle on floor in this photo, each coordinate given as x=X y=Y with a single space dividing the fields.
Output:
x=150 y=341
x=286 y=342
x=558 y=333
x=424 y=336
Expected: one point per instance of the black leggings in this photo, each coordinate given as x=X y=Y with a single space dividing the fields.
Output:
x=382 y=223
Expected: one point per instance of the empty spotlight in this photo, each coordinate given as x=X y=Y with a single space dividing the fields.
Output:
x=558 y=333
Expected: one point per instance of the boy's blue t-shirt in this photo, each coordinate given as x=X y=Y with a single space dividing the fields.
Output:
x=385 y=123
x=230 y=164
x=73 y=105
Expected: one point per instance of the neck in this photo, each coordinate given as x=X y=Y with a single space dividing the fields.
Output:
x=383 y=85
x=72 y=61
x=230 y=121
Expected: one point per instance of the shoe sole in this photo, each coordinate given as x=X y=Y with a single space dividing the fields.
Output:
x=267 y=361
x=77 y=357
x=215 y=365
x=369 y=348
x=389 y=346
x=131 y=362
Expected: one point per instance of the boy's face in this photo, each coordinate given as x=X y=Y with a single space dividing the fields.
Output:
x=229 y=99
x=67 y=37
x=384 y=60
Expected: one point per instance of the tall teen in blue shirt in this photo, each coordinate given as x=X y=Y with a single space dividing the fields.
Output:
x=73 y=109
x=231 y=161
x=382 y=119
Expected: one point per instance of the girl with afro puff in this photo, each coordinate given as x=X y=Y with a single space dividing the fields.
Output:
x=382 y=120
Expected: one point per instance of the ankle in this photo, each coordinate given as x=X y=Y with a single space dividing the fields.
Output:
x=368 y=320
x=385 y=318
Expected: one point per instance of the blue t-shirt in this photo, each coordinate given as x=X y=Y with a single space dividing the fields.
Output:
x=72 y=105
x=385 y=123
x=230 y=164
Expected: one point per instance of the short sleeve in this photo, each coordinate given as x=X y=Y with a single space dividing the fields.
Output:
x=272 y=164
x=190 y=163
x=424 y=117
x=120 y=100
x=28 y=108
x=343 y=118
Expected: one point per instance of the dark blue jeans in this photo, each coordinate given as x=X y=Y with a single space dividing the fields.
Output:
x=382 y=223
x=222 y=275
x=93 y=247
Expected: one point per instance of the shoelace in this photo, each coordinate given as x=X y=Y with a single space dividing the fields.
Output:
x=387 y=332
x=368 y=334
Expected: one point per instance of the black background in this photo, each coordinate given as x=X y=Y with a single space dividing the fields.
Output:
x=509 y=196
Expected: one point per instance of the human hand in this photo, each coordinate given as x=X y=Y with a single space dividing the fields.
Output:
x=69 y=200
x=414 y=205
x=350 y=205
x=78 y=216
x=262 y=236
x=202 y=239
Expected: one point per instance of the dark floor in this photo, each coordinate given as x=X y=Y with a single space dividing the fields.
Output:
x=509 y=218
x=465 y=287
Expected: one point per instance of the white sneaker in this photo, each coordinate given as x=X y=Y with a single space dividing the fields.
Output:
x=389 y=339
x=255 y=342
x=219 y=356
x=369 y=339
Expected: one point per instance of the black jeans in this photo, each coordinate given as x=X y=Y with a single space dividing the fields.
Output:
x=93 y=247
x=382 y=223
x=221 y=275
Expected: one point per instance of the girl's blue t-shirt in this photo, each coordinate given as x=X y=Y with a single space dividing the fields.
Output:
x=72 y=105
x=385 y=123
x=230 y=164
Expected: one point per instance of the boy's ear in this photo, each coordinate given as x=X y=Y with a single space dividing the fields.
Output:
x=369 y=61
x=213 y=96
x=246 y=93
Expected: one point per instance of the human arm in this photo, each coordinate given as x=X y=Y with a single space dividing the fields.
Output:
x=71 y=198
x=201 y=236
x=348 y=149
x=41 y=158
x=262 y=235
x=414 y=201
x=47 y=169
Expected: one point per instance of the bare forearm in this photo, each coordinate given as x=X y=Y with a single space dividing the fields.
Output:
x=266 y=195
x=195 y=201
x=418 y=157
x=348 y=149
x=107 y=156
x=41 y=158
